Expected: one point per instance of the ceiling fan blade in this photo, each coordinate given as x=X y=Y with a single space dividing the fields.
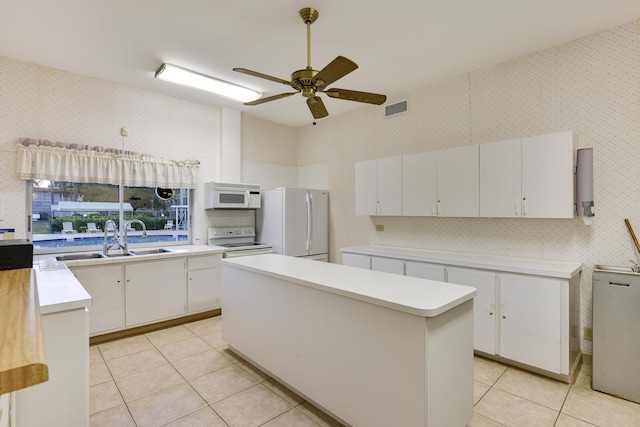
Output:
x=263 y=76
x=269 y=98
x=353 y=95
x=318 y=110
x=336 y=69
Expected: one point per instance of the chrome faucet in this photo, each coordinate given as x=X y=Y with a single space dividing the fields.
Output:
x=635 y=267
x=126 y=230
x=114 y=238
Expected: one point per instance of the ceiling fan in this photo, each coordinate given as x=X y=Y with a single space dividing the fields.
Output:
x=311 y=82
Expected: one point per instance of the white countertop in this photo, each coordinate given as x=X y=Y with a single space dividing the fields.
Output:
x=58 y=288
x=421 y=297
x=539 y=267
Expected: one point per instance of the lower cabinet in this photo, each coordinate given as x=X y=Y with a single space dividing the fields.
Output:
x=520 y=317
x=531 y=319
x=203 y=283
x=154 y=291
x=485 y=316
x=63 y=400
x=105 y=284
x=136 y=293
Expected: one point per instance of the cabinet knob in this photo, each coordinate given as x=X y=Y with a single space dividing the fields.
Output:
x=504 y=317
x=491 y=313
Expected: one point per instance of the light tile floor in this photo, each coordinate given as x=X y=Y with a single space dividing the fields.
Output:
x=186 y=376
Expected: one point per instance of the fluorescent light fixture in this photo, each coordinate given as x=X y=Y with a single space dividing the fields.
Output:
x=182 y=76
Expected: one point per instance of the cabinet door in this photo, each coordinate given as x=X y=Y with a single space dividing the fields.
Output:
x=547 y=176
x=388 y=265
x=500 y=179
x=458 y=175
x=419 y=184
x=424 y=270
x=390 y=186
x=367 y=187
x=357 y=260
x=484 y=305
x=105 y=285
x=530 y=320
x=154 y=291
x=203 y=290
x=203 y=283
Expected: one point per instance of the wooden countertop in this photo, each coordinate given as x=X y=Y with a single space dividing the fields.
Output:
x=23 y=360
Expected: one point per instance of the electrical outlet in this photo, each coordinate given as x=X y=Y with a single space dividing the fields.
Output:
x=588 y=333
x=379 y=227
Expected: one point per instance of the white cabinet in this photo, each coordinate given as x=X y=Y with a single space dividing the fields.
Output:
x=420 y=184
x=356 y=260
x=388 y=265
x=520 y=316
x=424 y=270
x=530 y=177
x=458 y=190
x=531 y=323
x=203 y=283
x=63 y=400
x=379 y=187
x=485 y=314
x=501 y=179
x=548 y=175
x=155 y=291
x=105 y=284
x=441 y=183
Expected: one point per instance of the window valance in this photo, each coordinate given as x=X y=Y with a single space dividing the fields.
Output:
x=58 y=161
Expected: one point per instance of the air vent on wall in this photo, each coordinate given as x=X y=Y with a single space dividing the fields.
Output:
x=398 y=108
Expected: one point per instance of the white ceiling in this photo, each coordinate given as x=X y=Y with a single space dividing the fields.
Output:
x=399 y=45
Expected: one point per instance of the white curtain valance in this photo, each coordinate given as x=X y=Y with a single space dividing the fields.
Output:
x=58 y=161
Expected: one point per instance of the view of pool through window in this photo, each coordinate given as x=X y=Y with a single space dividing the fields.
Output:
x=76 y=215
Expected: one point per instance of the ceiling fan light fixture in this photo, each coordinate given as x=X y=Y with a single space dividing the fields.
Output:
x=182 y=76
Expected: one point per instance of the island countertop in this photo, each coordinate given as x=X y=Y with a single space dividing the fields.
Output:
x=421 y=297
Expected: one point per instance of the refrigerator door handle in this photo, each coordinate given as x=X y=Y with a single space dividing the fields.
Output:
x=309 y=220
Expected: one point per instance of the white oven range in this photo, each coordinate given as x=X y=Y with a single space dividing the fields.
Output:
x=237 y=241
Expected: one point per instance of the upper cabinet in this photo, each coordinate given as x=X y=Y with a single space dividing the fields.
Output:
x=548 y=176
x=420 y=184
x=379 y=187
x=458 y=189
x=441 y=183
x=530 y=177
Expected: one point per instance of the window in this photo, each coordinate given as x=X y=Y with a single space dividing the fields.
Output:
x=72 y=216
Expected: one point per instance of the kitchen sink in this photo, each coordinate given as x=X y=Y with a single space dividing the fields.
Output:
x=75 y=257
x=614 y=268
x=150 y=251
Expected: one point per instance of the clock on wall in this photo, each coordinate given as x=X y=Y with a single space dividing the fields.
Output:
x=164 y=193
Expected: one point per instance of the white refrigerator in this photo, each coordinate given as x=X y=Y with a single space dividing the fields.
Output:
x=295 y=221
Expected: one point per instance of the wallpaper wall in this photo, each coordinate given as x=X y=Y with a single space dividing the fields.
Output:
x=590 y=86
x=40 y=102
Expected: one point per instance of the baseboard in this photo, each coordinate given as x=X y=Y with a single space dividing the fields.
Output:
x=139 y=330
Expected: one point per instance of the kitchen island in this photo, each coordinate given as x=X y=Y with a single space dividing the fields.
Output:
x=370 y=348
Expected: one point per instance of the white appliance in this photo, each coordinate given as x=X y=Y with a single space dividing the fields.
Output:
x=295 y=221
x=228 y=195
x=237 y=241
x=616 y=333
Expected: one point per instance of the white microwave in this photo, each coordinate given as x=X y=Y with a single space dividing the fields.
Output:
x=227 y=195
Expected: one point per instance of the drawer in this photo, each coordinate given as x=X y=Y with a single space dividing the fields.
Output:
x=198 y=263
